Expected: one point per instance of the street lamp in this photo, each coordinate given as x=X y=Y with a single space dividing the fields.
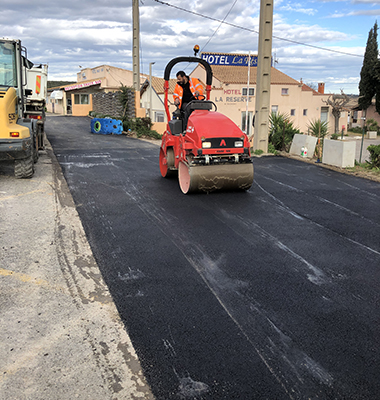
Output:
x=150 y=90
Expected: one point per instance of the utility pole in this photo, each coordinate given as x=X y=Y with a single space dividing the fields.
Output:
x=264 y=66
x=136 y=45
x=150 y=90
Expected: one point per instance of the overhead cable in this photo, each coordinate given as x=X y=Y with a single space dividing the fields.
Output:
x=254 y=31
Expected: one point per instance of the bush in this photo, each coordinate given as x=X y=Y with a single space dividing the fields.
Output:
x=281 y=131
x=335 y=136
x=318 y=128
x=258 y=152
x=271 y=149
x=374 y=151
x=124 y=96
x=372 y=125
x=357 y=129
x=141 y=126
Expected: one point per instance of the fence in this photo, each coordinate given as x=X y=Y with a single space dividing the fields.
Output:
x=109 y=104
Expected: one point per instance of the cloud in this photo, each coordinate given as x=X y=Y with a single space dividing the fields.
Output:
x=297 y=7
x=71 y=33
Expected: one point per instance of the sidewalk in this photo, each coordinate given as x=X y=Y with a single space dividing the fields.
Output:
x=61 y=335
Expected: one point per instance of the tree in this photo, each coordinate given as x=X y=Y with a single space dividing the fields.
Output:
x=281 y=131
x=369 y=80
x=318 y=128
x=337 y=102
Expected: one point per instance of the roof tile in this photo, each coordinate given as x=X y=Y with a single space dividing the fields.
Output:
x=239 y=75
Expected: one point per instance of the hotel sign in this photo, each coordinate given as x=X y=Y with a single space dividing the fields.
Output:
x=229 y=59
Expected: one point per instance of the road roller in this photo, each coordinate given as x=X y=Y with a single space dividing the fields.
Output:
x=209 y=152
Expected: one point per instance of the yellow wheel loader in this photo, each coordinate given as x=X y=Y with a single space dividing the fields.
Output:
x=19 y=136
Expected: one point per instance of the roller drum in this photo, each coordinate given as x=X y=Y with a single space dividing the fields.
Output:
x=208 y=178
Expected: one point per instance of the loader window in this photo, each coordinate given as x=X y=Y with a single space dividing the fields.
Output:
x=8 y=75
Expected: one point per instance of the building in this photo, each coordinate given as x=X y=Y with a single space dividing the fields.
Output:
x=153 y=101
x=232 y=93
x=76 y=99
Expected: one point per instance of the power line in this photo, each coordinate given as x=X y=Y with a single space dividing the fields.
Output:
x=254 y=31
x=216 y=30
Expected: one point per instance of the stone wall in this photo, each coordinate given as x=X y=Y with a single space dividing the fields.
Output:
x=109 y=104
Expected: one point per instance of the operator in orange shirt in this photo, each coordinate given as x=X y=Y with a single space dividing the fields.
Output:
x=186 y=90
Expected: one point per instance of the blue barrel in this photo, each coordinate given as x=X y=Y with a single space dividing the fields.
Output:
x=106 y=126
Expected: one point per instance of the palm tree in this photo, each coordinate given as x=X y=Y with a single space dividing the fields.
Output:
x=281 y=131
x=318 y=128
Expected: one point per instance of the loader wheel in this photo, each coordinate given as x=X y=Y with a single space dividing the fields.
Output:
x=166 y=163
x=24 y=168
x=35 y=150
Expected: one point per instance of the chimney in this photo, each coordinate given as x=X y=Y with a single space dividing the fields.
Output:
x=321 y=88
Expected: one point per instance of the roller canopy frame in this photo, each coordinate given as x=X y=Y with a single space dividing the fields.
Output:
x=169 y=68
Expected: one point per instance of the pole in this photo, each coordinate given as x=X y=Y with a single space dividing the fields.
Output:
x=361 y=147
x=150 y=90
x=246 y=111
x=136 y=45
x=264 y=67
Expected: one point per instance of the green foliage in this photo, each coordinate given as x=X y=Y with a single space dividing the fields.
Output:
x=318 y=128
x=54 y=84
x=372 y=125
x=369 y=81
x=99 y=115
x=258 y=152
x=271 y=149
x=141 y=126
x=335 y=136
x=124 y=96
x=357 y=129
x=374 y=151
x=281 y=131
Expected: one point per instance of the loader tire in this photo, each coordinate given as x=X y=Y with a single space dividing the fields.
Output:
x=24 y=168
x=35 y=150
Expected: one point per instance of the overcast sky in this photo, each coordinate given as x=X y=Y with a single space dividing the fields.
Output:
x=69 y=34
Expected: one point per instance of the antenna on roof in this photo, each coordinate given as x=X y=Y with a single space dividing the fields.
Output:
x=275 y=59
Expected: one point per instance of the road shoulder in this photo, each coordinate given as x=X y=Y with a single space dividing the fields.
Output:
x=61 y=334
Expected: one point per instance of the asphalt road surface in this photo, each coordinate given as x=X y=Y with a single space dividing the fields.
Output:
x=271 y=293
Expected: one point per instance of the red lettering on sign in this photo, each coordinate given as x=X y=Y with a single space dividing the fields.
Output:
x=223 y=143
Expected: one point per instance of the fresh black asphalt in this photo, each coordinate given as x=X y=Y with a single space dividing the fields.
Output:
x=271 y=293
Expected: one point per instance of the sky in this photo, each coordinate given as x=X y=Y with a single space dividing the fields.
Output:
x=71 y=35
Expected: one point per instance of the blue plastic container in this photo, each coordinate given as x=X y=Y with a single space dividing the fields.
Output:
x=106 y=126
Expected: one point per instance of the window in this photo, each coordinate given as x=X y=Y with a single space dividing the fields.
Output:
x=159 y=116
x=251 y=91
x=81 y=99
x=305 y=112
x=249 y=122
x=324 y=114
x=275 y=109
x=285 y=91
x=293 y=112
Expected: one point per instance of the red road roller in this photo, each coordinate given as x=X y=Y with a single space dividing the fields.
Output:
x=210 y=152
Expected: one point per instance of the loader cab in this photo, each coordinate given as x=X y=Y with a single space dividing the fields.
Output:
x=13 y=64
